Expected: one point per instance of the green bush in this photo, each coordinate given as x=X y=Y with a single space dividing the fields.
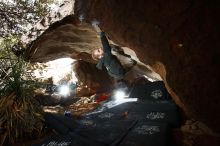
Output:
x=21 y=116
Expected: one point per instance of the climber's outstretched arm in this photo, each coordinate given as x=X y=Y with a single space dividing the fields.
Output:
x=105 y=43
x=104 y=40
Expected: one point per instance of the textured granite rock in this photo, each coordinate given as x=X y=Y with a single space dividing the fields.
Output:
x=180 y=41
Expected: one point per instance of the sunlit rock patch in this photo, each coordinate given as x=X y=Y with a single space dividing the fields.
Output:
x=59 y=70
x=83 y=105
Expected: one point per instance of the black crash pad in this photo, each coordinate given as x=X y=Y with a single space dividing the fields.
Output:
x=108 y=132
x=150 y=91
x=163 y=111
x=70 y=139
x=60 y=123
x=148 y=134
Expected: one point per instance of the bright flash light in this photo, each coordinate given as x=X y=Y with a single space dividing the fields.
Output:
x=119 y=95
x=64 y=90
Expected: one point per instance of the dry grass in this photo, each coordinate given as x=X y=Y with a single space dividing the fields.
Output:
x=19 y=119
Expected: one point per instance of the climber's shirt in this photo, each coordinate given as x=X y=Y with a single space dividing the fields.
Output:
x=111 y=62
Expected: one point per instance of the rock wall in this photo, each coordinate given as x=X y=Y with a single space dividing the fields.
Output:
x=178 y=38
x=65 y=38
x=91 y=79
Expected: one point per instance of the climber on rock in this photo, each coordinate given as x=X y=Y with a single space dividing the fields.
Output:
x=105 y=57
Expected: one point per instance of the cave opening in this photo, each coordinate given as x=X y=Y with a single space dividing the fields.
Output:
x=58 y=70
